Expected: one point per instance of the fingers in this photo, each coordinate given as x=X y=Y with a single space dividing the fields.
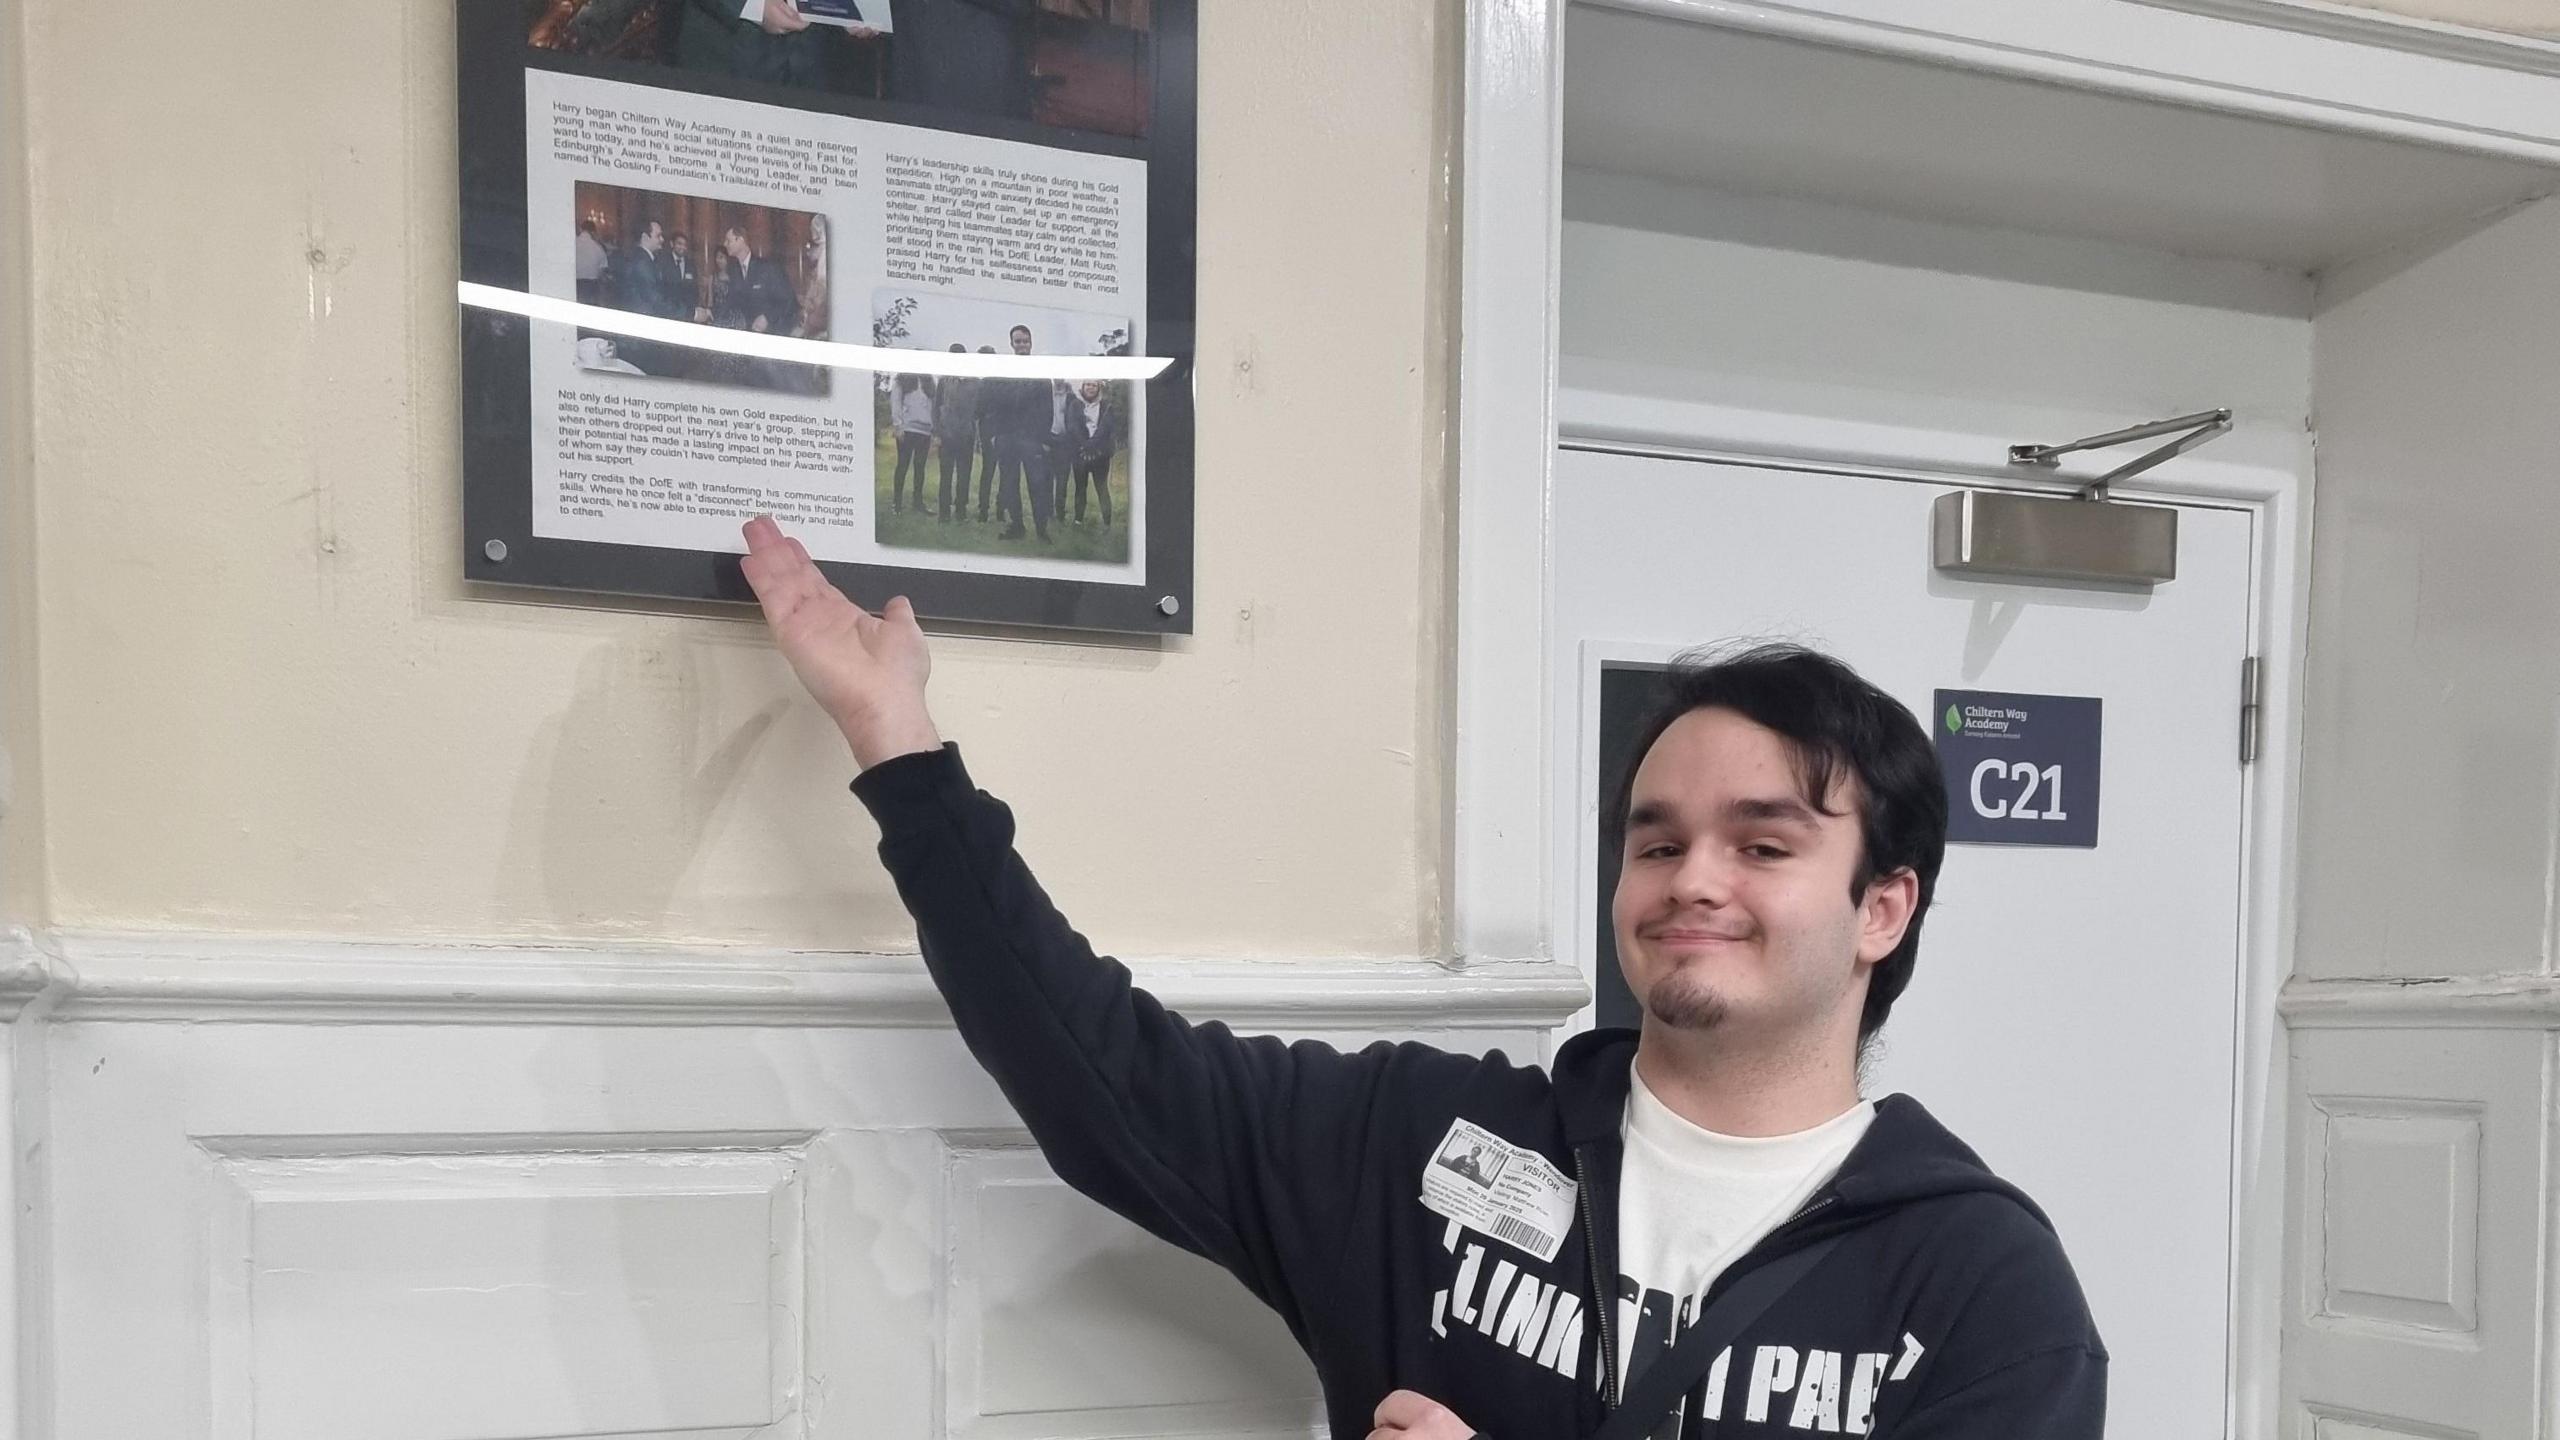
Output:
x=1401 y=1410
x=1409 y=1414
x=779 y=570
x=784 y=578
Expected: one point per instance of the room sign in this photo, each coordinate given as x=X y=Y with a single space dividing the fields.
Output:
x=2020 y=769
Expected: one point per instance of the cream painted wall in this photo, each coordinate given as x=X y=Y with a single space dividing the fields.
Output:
x=268 y=705
x=21 y=793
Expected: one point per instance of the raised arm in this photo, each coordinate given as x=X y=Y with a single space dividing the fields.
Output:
x=1243 y=1149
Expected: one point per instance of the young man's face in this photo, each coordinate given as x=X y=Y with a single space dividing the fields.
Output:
x=1733 y=909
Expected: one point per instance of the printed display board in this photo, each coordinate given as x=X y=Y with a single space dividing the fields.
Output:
x=691 y=228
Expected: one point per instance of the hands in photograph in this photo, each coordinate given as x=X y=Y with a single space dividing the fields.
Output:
x=866 y=671
x=1412 y=1416
x=757 y=324
x=781 y=17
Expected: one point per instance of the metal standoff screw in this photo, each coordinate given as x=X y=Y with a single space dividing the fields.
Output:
x=1169 y=605
x=496 y=550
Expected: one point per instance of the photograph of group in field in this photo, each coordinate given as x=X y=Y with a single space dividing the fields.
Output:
x=1001 y=465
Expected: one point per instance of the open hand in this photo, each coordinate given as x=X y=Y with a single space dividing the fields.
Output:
x=1406 y=1415
x=781 y=17
x=866 y=671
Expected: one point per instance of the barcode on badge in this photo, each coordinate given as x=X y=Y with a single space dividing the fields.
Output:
x=1527 y=1237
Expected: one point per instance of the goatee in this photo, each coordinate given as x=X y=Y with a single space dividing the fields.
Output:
x=1682 y=1006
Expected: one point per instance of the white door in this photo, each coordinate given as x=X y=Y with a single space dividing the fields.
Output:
x=2073 y=1013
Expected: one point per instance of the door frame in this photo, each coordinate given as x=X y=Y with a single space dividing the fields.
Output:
x=2263 y=473
x=1512 y=415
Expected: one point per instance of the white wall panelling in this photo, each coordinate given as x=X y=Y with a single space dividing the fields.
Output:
x=2424 y=1006
x=2419 y=1231
x=2416 y=30
x=2001 y=152
x=2132 y=47
x=1082 y=1328
x=303 y=1191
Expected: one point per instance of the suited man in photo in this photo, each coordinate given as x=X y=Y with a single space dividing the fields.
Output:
x=955 y=423
x=1020 y=412
x=759 y=296
x=682 y=278
x=986 y=444
x=641 y=282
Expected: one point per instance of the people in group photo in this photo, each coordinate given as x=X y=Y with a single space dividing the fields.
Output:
x=1039 y=438
x=956 y=431
x=1004 y=452
x=629 y=257
x=911 y=412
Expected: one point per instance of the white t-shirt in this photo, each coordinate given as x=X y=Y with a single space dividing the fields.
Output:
x=1691 y=1202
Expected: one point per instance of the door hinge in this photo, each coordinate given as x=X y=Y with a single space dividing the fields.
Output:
x=2249 y=710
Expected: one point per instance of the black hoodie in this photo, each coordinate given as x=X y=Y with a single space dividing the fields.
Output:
x=1947 y=1310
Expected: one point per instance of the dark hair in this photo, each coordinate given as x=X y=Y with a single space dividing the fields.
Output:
x=1833 y=722
x=1022 y=330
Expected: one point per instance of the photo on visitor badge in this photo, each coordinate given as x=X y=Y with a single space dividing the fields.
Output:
x=1471 y=1157
x=676 y=222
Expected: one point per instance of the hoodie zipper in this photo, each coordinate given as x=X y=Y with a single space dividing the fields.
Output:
x=1600 y=1297
x=1814 y=1205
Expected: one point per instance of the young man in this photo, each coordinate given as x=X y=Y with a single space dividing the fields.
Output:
x=1473 y=1247
x=1017 y=413
x=760 y=297
x=955 y=418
